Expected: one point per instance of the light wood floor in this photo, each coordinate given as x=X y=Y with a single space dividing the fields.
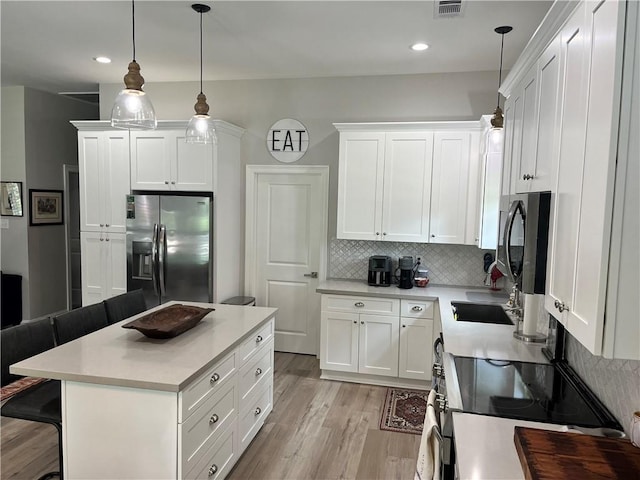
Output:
x=318 y=429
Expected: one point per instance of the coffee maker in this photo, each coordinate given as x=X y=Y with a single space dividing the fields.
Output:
x=379 y=271
x=405 y=265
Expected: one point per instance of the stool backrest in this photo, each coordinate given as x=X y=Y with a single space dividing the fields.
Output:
x=124 y=306
x=81 y=321
x=23 y=341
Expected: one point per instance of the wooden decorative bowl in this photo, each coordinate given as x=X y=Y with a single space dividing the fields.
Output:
x=168 y=322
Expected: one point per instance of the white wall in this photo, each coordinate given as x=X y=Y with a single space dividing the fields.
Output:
x=318 y=102
x=37 y=140
x=14 y=257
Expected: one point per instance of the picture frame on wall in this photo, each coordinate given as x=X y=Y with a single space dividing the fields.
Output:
x=11 y=199
x=45 y=207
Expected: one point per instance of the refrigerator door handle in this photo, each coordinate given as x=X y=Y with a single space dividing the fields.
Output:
x=162 y=253
x=154 y=259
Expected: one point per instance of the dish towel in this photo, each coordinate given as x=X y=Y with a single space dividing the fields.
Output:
x=428 y=466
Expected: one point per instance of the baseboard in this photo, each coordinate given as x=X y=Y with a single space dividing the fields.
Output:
x=375 y=380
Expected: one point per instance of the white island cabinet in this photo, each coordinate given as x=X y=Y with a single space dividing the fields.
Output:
x=141 y=408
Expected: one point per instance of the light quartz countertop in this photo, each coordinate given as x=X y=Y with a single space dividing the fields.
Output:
x=125 y=357
x=485 y=447
x=465 y=339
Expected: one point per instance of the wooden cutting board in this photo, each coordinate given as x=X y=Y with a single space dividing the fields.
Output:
x=549 y=455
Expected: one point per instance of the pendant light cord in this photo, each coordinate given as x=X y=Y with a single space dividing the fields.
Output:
x=133 y=24
x=200 y=51
x=500 y=75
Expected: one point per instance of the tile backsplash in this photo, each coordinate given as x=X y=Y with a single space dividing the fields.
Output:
x=615 y=382
x=447 y=264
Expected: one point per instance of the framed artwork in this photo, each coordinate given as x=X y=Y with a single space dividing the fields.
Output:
x=45 y=207
x=11 y=201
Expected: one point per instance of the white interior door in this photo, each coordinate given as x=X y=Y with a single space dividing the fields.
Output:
x=286 y=243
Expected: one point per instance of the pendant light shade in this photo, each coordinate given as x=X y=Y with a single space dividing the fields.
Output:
x=200 y=128
x=132 y=108
x=497 y=121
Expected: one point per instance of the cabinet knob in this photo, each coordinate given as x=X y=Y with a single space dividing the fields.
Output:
x=258 y=411
x=214 y=418
x=417 y=308
x=361 y=322
x=166 y=182
x=173 y=183
x=526 y=176
x=377 y=233
x=355 y=321
x=258 y=371
x=212 y=470
x=563 y=307
x=384 y=233
x=556 y=304
x=258 y=338
x=359 y=304
x=101 y=225
x=433 y=235
x=404 y=326
x=107 y=239
x=214 y=378
x=106 y=225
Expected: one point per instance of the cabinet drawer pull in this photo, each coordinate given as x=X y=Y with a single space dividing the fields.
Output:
x=214 y=418
x=417 y=308
x=258 y=338
x=359 y=304
x=214 y=378
x=212 y=470
x=258 y=411
x=258 y=371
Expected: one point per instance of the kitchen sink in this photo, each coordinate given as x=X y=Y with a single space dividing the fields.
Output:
x=480 y=313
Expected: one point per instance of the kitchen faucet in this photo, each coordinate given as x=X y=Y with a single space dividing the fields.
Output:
x=514 y=304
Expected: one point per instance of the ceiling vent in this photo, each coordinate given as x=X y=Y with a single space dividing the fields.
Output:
x=448 y=8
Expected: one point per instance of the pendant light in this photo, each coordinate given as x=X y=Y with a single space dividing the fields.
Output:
x=200 y=128
x=132 y=108
x=497 y=121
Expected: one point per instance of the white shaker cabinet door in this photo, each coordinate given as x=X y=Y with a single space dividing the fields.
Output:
x=451 y=153
x=151 y=153
x=339 y=341
x=192 y=169
x=116 y=264
x=92 y=267
x=378 y=350
x=116 y=171
x=407 y=186
x=416 y=348
x=524 y=155
x=360 y=180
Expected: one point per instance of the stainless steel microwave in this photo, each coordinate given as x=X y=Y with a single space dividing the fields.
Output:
x=523 y=240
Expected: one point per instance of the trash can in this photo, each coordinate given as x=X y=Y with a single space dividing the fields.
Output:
x=249 y=301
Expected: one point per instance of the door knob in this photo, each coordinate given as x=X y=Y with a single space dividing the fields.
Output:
x=312 y=274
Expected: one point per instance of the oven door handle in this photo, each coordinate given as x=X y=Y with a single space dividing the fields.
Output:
x=454 y=399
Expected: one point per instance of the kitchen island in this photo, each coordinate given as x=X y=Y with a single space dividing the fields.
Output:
x=143 y=408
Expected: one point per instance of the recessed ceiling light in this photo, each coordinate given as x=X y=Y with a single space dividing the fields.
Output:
x=102 y=59
x=419 y=47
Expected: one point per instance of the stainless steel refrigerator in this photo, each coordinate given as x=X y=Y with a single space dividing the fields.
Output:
x=169 y=247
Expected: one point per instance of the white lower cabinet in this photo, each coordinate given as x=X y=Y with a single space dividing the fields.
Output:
x=104 y=267
x=361 y=340
x=416 y=340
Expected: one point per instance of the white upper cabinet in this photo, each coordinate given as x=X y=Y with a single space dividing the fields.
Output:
x=451 y=156
x=384 y=186
x=387 y=184
x=162 y=160
x=531 y=120
x=103 y=164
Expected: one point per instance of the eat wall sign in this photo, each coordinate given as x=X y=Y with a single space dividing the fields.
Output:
x=287 y=140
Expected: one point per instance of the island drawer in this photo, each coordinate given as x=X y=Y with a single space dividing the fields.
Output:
x=416 y=308
x=370 y=305
x=259 y=367
x=252 y=415
x=212 y=380
x=218 y=460
x=255 y=341
x=207 y=423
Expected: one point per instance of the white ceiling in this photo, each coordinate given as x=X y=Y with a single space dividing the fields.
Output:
x=50 y=44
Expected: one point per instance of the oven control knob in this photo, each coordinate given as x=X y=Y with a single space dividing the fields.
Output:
x=437 y=370
x=441 y=398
